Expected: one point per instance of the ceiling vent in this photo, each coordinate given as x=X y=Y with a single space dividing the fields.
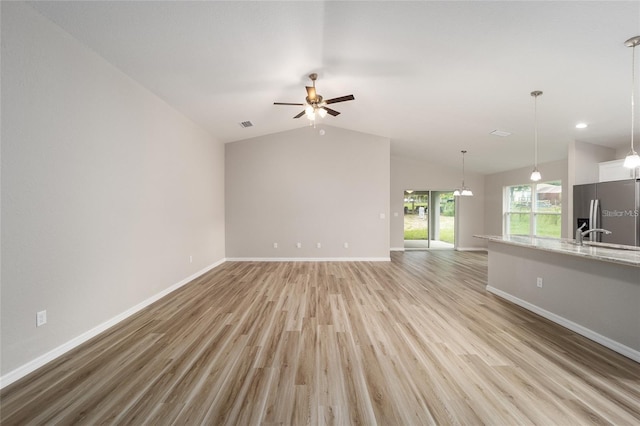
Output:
x=501 y=133
x=245 y=124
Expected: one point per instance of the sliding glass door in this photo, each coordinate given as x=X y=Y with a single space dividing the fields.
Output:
x=429 y=218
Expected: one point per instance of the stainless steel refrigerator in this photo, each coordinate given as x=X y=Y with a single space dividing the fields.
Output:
x=610 y=205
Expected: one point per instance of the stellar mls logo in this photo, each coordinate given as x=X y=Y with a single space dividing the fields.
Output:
x=620 y=213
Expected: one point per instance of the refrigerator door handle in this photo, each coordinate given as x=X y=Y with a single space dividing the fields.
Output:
x=592 y=217
x=595 y=236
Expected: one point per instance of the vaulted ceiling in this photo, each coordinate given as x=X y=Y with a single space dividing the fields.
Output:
x=434 y=77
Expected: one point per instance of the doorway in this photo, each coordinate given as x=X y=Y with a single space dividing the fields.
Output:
x=429 y=219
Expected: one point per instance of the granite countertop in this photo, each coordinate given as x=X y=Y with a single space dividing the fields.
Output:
x=625 y=255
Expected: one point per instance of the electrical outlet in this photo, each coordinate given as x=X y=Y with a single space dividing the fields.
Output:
x=299 y=245
x=275 y=245
x=318 y=245
x=41 y=318
x=539 y=282
x=346 y=245
x=190 y=259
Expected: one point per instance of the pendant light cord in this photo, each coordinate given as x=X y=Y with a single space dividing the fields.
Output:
x=463 y=153
x=633 y=90
x=535 y=131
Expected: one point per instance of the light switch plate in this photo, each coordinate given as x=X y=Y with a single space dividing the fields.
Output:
x=41 y=318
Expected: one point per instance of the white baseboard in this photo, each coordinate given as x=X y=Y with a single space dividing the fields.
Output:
x=396 y=249
x=471 y=248
x=33 y=365
x=586 y=332
x=308 y=259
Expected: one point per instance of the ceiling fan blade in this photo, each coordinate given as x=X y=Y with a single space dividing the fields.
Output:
x=286 y=103
x=311 y=92
x=331 y=111
x=340 y=99
x=299 y=115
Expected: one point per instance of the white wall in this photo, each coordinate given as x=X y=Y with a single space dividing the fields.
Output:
x=420 y=175
x=299 y=186
x=495 y=183
x=106 y=190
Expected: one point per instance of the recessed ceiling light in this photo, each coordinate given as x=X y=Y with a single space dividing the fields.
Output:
x=501 y=133
x=582 y=126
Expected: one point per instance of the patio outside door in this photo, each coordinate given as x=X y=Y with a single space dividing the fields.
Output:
x=429 y=218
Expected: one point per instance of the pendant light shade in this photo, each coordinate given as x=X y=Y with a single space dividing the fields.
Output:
x=632 y=160
x=535 y=174
x=463 y=191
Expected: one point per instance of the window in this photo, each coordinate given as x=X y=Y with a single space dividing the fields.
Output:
x=533 y=209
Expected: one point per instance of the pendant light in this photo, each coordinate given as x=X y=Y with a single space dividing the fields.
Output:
x=632 y=160
x=464 y=191
x=535 y=174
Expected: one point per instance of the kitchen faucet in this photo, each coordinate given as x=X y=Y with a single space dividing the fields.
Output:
x=581 y=234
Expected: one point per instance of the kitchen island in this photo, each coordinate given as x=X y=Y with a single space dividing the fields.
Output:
x=593 y=289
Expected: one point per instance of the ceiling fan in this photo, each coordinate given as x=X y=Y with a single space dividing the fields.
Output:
x=315 y=104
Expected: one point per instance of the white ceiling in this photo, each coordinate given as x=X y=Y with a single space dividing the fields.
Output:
x=434 y=77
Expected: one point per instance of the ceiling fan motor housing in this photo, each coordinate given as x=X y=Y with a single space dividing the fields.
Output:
x=317 y=102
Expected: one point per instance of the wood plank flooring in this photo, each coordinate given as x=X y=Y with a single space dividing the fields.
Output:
x=414 y=341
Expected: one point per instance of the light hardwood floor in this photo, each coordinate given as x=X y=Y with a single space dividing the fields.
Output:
x=416 y=340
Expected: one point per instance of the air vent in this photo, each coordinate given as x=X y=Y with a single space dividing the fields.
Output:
x=246 y=124
x=501 y=133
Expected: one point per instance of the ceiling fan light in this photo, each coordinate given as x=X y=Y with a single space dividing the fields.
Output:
x=310 y=112
x=466 y=192
x=456 y=193
x=632 y=160
x=322 y=112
